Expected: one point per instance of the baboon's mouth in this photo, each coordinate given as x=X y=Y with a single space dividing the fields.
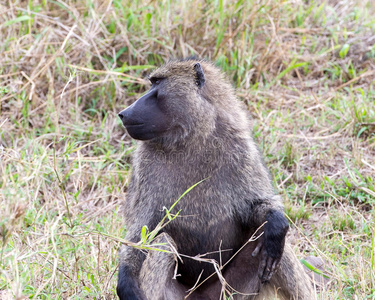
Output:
x=134 y=124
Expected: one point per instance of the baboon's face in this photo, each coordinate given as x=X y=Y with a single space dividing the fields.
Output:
x=164 y=110
x=147 y=118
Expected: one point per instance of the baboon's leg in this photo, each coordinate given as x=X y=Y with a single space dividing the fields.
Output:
x=241 y=274
x=157 y=272
x=289 y=282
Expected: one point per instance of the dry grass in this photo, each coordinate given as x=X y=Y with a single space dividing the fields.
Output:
x=304 y=68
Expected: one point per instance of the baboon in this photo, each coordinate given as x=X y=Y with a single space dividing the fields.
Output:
x=192 y=129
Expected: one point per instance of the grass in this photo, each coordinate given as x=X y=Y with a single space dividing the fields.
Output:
x=305 y=70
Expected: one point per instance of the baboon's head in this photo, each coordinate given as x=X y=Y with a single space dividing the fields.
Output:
x=179 y=103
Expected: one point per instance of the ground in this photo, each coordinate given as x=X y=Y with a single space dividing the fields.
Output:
x=304 y=69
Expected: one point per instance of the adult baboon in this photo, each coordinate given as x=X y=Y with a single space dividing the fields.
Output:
x=191 y=128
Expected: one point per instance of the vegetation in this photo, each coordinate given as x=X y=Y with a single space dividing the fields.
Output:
x=305 y=70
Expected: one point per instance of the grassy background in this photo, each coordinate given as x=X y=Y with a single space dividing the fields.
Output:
x=305 y=69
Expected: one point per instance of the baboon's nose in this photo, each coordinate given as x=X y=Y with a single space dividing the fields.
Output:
x=121 y=115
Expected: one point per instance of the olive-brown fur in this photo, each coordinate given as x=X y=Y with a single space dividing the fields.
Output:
x=205 y=135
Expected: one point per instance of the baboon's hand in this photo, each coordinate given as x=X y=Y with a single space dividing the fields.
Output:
x=267 y=264
x=271 y=244
x=128 y=288
x=131 y=294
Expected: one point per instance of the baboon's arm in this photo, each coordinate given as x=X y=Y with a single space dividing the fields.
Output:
x=130 y=264
x=271 y=245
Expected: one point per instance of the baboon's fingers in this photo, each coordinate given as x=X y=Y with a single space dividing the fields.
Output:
x=262 y=266
x=275 y=264
x=257 y=249
x=266 y=270
x=269 y=266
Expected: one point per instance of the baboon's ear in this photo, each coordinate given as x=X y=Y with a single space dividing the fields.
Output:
x=200 y=80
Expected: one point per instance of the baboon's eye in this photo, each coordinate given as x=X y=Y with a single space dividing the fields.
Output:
x=155 y=80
